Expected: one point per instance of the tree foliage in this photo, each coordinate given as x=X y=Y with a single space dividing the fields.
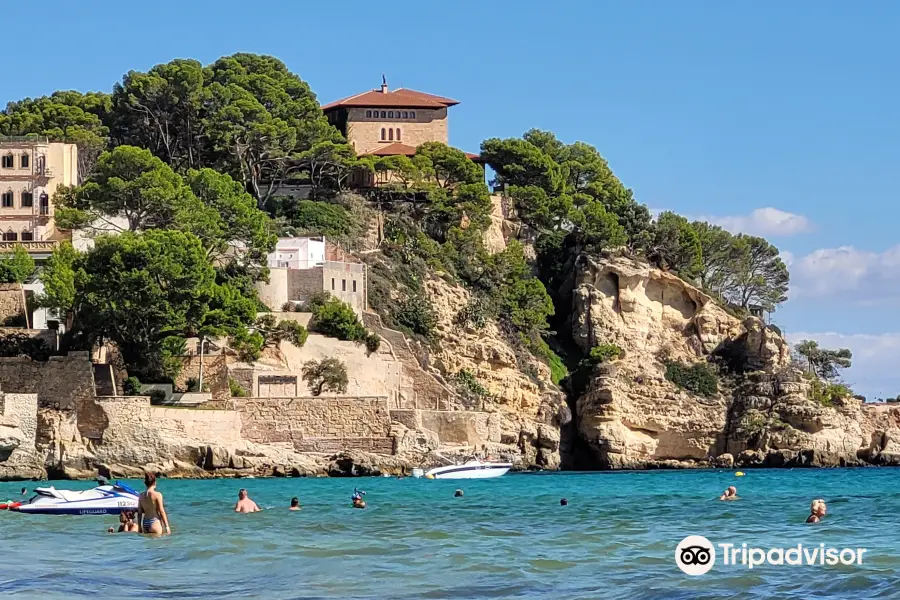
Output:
x=326 y=375
x=821 y=362
x=16 y=267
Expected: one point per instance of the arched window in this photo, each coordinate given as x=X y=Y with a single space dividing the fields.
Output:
x=27 y=236
x=398 y=134
x=390 y=114
x=405 y=115
x=10 y=236
x=391 y=134
x=383 y=134
x=383 y=114
x=7 y=161
x=6 y=199
x=27 y=199
x=23 y=161
x=368 y=114
x=412 y=114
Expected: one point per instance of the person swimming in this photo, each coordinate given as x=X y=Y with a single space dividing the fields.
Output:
x=458 y=494
x=563 y=502
x=245 y=504
x=357 y=499
x=24 y=491
x=126 y=522
x=295 y=504
x=729 y=494
x=151 y=515
x=817 y=511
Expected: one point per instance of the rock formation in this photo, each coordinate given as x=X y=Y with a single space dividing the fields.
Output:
x=630 y=416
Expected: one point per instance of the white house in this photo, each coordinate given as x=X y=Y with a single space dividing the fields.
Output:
x=298 y=253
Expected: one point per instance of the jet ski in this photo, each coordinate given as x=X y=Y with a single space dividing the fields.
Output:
x=105 y=499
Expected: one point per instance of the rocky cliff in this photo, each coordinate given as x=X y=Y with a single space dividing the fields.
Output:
x=630 y=416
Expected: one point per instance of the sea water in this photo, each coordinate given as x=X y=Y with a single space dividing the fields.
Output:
x=505 y=538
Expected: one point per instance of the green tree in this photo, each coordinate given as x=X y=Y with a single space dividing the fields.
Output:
x=318 y=218
x=274 y=332
x=17 y=267
x=599 y=229
x=758 y=275
x=58 y=277
x=717 y=256
x=64 y=116
x=128 y=182
x=328 y=164
x=136 y=290
x=521 y=163
x=676 y=246
x=823 y=363
x=337 y=319
x=447 y=167
x=326 y=375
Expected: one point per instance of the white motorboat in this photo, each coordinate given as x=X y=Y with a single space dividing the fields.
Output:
x=105 y=499
x=471 y=469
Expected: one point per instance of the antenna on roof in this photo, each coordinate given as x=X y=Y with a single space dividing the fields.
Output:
x=384 y=87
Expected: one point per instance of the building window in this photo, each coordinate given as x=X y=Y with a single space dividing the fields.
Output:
x=332 y=284
x=27 y=236
x=412 y=114
x=383 y=115
x=383 y=134
x=354 y=285
x=343 y=285
x=368 y=114
x=10 y=236
x=391 y=134
x=405 y=115
x=6 y=199
x=23 y=161
x=7 y=162
x=27 y=199
x=391 y=114
x=398 y=134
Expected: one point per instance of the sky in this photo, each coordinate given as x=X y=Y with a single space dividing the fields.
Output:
x=779 y=119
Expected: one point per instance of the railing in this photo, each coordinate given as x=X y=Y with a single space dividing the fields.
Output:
x=39 y=139
x=38 y=246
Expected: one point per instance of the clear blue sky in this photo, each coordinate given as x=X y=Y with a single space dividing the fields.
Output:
x=709 y=109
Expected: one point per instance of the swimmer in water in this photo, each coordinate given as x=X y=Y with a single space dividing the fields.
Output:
x=816 y=511
x=126 y=522
x=151 y=514
x=729 y=494
x=295 y=504
x=458 y=494
x=563 y=502
x=245 y=504
x=357 y=499
x=24 y=491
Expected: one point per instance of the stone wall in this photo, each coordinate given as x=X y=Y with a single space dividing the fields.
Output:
x=472 y=428
x=305 y=422
x=274 y=293
x=429 y=125
x=20 y=411
x=303 y=283
x=12 y=304
x=61 y=381
x=215 y=374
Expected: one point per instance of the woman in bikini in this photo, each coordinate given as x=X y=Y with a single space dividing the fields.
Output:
x=151 y=511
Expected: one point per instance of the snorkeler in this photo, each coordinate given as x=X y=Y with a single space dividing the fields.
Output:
x=357 y=499
x=151 y=515
x=729 y=494
x=816 y=511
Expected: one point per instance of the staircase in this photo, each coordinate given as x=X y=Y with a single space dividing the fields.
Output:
x=104 y=382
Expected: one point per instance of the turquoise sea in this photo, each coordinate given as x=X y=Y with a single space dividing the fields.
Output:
x=506 y=538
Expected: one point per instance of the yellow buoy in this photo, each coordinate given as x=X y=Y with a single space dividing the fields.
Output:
x=739 y=474
x=429 y=476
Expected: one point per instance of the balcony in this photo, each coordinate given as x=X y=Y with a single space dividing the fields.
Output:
x=38 y=249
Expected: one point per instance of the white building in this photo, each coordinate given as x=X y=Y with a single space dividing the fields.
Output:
x=298 y=253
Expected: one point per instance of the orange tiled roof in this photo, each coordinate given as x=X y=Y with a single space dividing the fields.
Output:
x=399 y=98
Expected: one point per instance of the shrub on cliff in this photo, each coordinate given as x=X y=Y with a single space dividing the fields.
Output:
x=602 y=353
x=326 y=375
x=416 y=313
x=275 y=332
x=236 y=389
x=131 y=386
x=468 y=385
x=699 y=378
x=373 y=342
x=337 y=319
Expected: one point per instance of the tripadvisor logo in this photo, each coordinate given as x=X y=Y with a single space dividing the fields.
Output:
x=696 y=555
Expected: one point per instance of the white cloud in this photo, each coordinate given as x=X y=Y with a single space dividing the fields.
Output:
x=766 y=221
x=874 y=371
x=865 y=277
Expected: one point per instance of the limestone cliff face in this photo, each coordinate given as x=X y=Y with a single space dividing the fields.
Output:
x=518 y=386
x=630 y=416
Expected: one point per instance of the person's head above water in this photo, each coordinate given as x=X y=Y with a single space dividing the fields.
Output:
x=295 y=502
x=458 y=494
x=818 y=507
x=149 y=479
x=24 y=491
x=563 y=502
x=242 y=494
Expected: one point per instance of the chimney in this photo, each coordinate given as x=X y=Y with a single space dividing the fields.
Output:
x=384 y=88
